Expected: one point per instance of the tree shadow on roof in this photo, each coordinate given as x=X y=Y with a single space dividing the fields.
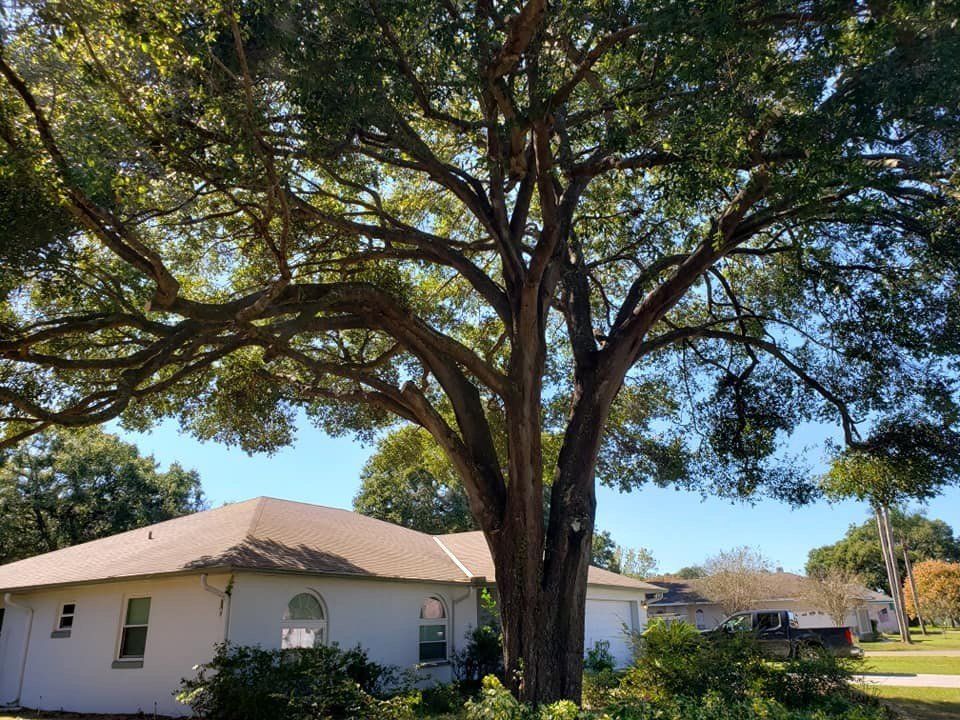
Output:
x=260 y=554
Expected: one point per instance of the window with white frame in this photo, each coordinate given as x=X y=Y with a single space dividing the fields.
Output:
x=304 y=623
x=133 y=635
x=67 y=613
x=433 y=630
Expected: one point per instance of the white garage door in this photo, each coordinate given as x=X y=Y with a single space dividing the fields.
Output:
x=605 y=620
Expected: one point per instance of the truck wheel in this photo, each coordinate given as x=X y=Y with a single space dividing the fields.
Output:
x=810 y=651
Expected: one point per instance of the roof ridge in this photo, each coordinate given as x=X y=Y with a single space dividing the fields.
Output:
x=257 y=514
x=452 y=556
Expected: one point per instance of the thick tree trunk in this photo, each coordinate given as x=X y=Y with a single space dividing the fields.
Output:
x=542 y=571
x=543 y=626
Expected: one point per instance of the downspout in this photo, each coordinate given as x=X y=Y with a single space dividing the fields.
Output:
x=8 y=601
x=453 y=618
x=224 y=596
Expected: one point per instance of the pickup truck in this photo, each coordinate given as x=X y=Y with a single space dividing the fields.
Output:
x=780 y=635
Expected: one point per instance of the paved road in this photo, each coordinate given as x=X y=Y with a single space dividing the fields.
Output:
x=911 y=653
x=909 y=680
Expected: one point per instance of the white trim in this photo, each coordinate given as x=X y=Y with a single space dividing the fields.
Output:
x=434 y=622
x=456 y=561
x=322 y=624
x=61 y=615
x=125 y=609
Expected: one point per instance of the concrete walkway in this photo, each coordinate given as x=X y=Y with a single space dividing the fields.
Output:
x=911 y=653
x=910 y=680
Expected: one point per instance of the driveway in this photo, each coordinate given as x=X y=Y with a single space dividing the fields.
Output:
x=910 y=680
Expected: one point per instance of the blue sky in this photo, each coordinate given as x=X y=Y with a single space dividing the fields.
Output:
x=679 y=527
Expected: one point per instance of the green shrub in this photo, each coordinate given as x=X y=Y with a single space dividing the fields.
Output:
x=599 y=658
x=598 y=688
x=677 y=661
x=250 y=683
x=441 y=699
x=482 y=655
x=495 y=703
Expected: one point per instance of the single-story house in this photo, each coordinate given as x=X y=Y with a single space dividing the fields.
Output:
x=113 y=625
x=687 y=600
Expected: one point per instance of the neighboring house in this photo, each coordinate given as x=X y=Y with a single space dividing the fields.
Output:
x=113 y=625
x=686 y=600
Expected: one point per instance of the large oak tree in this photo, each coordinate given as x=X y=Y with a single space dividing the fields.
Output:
x=640 y=239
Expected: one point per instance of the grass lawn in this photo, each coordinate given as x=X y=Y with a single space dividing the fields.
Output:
x=933 y=640
x=921 y=703
x=914 y=664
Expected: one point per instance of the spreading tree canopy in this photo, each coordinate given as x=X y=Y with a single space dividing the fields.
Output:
x=640 y=239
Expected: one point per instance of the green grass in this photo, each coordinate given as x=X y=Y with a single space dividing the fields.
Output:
x=915 y=664
x=933 y=640
x=921 y=703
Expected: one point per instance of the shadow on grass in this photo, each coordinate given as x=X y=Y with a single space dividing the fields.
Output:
x=921 y=703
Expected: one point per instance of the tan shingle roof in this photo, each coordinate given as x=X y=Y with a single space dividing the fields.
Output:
x=471 y=549
x=260 y=534
x=268 y=534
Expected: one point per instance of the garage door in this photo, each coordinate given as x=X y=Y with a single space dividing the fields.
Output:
x=605 y=620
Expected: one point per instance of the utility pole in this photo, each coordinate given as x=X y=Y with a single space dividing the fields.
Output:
x=893 y=576
x=913 y=585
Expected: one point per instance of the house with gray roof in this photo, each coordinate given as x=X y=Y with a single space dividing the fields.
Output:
x=113 y=625
x=689 y=600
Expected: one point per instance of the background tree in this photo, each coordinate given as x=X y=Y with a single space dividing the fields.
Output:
x=858 y=552
x=904 y=459
x=603 y=553
x=737 y=579
x=837 y=592
x=640 y=240
x=690 y=572
x=938 y=585
x=407 y=481
x=636 y=562
x=63 y=488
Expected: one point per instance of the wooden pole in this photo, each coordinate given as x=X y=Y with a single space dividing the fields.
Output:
x=898 y=585
x=888 y=561
x=913 y=584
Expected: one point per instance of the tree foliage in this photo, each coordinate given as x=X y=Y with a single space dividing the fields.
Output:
x=938 y=585
x=407 y=481
x=858 y=552
x=603 y=553
x=637 y=239
x=63 y=488
x=904 y=459
x=636 y=562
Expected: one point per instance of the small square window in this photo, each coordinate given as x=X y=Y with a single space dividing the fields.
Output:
x=67 y=612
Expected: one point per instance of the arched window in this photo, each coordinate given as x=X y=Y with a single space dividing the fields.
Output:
x=433 y=630
x=700 y=624
x=304 y=623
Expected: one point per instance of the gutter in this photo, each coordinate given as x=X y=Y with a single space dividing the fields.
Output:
x=225 y=596
x=8 y=601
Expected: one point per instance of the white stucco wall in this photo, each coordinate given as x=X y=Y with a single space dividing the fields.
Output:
x=383 y=617
x=75 y=673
